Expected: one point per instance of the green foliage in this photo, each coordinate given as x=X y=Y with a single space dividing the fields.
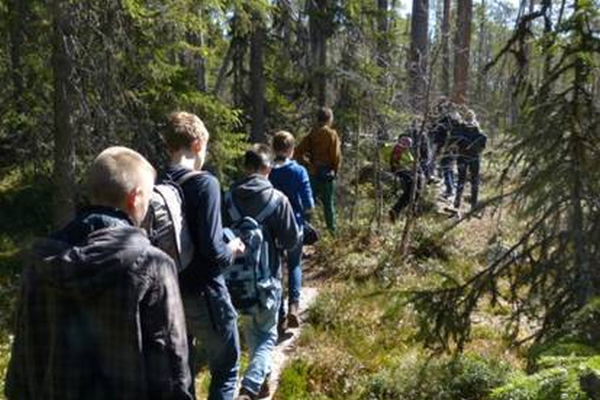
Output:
x=466 y=377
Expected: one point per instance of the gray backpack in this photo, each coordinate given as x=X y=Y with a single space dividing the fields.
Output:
x=165 y=221
x=250 y=279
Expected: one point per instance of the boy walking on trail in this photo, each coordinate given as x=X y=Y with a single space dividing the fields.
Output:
x=401 y=164
x=292 y=179
x=211 y=317
x=321 y=152
x=100 y=313
x=249 y=198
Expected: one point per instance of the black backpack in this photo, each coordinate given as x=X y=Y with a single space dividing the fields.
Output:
x=165 y=221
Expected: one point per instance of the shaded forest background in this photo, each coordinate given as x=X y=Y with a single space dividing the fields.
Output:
x=80 y=75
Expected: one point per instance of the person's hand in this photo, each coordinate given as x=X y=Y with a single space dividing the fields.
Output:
x=237 y=247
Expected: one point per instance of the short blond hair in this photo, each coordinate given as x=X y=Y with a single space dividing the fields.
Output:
x=283 y=141
x=182 y=129
x=115 y=172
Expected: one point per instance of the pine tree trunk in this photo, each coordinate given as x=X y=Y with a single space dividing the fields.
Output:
x=446 y=48
x=319 y=31
x=64 y=99
x=481 y=53
x=419 y=47
x=462 y=46
x=257 y=81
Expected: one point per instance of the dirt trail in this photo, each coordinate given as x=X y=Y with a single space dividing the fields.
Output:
x=286 y=347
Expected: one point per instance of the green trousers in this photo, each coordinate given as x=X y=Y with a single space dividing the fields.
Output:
x=324 y=191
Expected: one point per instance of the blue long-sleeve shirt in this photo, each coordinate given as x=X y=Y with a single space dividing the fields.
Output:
x=292 y=179
x=202 y=195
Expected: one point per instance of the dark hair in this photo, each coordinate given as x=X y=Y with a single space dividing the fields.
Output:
x=257 y=157
x=324 y=115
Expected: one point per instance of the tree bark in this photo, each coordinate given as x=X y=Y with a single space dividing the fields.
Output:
x=446 y=48
x=419 y=47
x=481 y=53
x=320 y=29
x=64 y=98
x=462 y=47
x=257 y=81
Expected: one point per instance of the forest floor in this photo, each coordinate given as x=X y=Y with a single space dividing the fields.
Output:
x=360 y=336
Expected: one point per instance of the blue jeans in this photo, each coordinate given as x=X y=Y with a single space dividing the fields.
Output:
x=212 y=320
x=294 y=264
x=261 y=335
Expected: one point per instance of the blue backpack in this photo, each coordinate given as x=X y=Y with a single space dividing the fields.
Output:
x=250 y=279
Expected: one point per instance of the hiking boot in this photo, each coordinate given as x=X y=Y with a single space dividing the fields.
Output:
x=265 y=389
x=282 y=326
x=245 y=394
x=293 y=318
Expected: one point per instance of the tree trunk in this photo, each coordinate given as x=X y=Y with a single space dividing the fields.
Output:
x=320 y=29
x=257 y=81
x=481 y=53
x=17 y=15
x=64 y=98
x=419 y=46
x=446 y=48
x=462 y=46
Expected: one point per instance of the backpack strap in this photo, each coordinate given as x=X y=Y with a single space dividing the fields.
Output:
x=185 y=177
x=269 y=208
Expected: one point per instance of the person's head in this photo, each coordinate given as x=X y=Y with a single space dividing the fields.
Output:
x=324 y=116
x=186 y=138
x=471 y=117
x=258 y=160
x=122 y=178
x=283 y=144
x=405 y=141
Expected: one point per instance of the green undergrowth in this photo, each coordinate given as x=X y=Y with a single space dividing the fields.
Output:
x=25 y=204
x=361 y=337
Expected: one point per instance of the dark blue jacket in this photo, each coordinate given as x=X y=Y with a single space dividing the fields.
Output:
x=292 y=179
x=202 y=197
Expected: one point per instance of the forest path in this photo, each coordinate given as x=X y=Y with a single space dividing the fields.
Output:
x=287 y=347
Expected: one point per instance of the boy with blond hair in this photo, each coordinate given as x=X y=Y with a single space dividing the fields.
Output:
x=100 y=313
x=211 y=317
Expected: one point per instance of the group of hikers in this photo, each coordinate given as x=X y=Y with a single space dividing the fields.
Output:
x=448 y=141
x=111 y=305
x=115 y=304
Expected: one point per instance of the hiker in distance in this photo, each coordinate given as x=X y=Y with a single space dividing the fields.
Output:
x=263 y=215
x=99 y=314
x=211 y=317
x=292 y=180
x=321 y=152
x=401 y=165
x=471 y=143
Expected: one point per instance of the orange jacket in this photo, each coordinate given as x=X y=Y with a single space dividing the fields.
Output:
x=321 y=148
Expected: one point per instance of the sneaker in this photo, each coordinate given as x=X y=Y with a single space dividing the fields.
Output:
x=245 y=394
x=265 y=389
x=293 y=318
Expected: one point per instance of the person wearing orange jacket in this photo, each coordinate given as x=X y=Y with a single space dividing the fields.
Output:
x=321 y=152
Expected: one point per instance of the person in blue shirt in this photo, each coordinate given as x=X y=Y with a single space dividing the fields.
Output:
x=292 y=179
